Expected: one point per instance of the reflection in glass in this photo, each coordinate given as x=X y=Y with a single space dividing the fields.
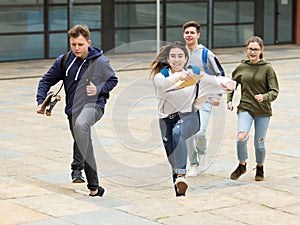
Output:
x=24 y=46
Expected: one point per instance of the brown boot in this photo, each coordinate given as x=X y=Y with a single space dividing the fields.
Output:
x=240 y=170
x=259 y=176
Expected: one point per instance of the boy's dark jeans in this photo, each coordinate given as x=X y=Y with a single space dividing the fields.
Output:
x=83 y=152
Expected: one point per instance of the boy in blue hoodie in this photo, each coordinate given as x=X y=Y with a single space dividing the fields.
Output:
x=88 y=78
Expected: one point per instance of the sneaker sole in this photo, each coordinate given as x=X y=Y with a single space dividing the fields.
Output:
x=78 y=180
x=104 y=193
x=181 y=187
x=237 y=177
x=192 y=175
x=259 y=178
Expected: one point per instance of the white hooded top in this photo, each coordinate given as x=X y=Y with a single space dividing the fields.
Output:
x=183 y=100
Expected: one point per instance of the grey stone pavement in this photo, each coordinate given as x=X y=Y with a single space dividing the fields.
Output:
x=36 y=151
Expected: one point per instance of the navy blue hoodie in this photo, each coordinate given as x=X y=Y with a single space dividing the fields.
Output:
x=74 y=79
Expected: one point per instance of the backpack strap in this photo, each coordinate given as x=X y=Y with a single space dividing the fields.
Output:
x=196 y=70
x=204 y=61
x=204 y=55
x=165 y=72
x=91 y=69
x=64 y=60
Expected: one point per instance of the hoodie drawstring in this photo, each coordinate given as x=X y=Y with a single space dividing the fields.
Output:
x=78 y=71
x=67 y=71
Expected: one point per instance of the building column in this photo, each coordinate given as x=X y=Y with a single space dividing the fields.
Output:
x=297 y=24
x=107 y=25
x=258 y=18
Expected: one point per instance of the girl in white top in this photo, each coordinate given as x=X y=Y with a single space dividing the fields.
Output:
x=177 y=108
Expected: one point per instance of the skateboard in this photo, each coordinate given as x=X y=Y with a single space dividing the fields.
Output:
x=49 y=103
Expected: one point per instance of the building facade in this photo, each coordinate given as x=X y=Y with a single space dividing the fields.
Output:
x=37 y=29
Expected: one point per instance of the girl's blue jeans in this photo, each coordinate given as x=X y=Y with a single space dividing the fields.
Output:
x=174 y=133
x=261 y=123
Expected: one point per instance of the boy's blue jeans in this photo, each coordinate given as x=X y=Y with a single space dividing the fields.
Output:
x=197 y=144
x=261 y=123
x=83 y=152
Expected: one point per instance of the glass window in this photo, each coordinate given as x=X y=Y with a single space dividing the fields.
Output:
x=186 y=1
x=58 y=18
x=232 y=35
x=21 y=19
x=58 y=44
x=135 y=15
x=234 y=12
x=179 y=13
x=21 y=2
x=18 y=47
x=88 y=15
x=128 y=1
x=96 y=39
x=285 y=14
x=57 y=1
x=130 y=36
x=174 y=34
x=269 y=16
x=86 y=1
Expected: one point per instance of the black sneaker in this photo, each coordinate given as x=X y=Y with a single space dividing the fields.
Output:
x=101 y=192
x=259 y=176
x=77 y=176
x=240 y=170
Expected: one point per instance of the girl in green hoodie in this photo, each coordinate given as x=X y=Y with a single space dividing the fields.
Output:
x=259 y=87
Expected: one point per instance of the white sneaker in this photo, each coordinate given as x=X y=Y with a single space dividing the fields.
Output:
x=193 y=171
x=203 y=163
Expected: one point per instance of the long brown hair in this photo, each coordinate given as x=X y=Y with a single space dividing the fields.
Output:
x=161 y=59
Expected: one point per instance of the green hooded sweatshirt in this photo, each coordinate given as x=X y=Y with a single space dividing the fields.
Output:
x=259 y=78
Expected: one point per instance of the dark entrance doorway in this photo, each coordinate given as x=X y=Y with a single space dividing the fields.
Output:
x=278 y=21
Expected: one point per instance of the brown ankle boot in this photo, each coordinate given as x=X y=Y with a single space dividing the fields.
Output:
x=259 y=176
x=240 y=170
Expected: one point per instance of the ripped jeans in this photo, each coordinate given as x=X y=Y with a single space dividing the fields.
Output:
x=261 y=123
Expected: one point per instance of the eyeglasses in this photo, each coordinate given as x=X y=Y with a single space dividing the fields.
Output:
x=253 y=49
